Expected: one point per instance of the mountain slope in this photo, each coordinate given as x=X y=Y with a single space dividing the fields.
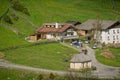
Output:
x=55 y=11
x=8 y=38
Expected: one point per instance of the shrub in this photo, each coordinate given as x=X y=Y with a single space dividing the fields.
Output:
x=52 y=76
x=40 y=77
x=1 y=55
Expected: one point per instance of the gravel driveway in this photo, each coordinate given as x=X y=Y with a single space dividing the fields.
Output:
x=103 y=70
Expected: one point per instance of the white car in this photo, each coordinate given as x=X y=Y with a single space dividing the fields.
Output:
x=94 y=46
x=86 y=42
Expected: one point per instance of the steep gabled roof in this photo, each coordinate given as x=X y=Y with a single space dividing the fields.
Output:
x=66 y=26
x=90 y=24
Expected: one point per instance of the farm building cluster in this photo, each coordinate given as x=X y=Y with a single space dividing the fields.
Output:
x=109 y=31
x=103 y=31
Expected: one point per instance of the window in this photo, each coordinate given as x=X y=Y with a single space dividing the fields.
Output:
x=48 y=25
x=113 y=37
x=113 y=42
x=117 y=37
x=118 y=31
x=60 y=26
x=108 y=38
x=113 y=31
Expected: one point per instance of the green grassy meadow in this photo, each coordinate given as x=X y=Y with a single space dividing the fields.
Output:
x=51 y=56
x=48 y=56
x=43 y=11
x=8 y=38
x=111 y=62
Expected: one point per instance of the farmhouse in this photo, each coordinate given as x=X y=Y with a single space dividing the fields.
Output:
x=109 y=30
x=56 y=31
x=80 y=61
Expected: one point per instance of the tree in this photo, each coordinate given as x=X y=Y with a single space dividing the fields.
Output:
x=96 y=31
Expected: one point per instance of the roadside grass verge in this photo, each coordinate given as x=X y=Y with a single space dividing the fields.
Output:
x=111 y=62
x=49 y=56
x=18 y=74
x=15 y=74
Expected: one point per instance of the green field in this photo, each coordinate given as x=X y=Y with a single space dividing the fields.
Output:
x=48 y=56
x=43 y=11
x=111 y=62
x=8 y=38
x=51 y=56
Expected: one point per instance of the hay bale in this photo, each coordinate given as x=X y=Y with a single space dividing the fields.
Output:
x=2 y=55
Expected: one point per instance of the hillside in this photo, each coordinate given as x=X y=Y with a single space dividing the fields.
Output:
x=55 y=11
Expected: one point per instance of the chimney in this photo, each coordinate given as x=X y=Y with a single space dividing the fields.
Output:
x=56 y=25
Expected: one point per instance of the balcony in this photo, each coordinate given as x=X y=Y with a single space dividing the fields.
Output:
x=70 y=37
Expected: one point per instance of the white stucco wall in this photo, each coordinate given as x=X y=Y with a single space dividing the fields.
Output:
x=71 y=31
x=74 y=33
x=78 y=66
x=48 y=36
x=111 y=36
x=54 y=36
x=58 y=36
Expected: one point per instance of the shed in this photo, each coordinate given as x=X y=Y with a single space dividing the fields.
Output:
x=80 y=61
x=33 y=37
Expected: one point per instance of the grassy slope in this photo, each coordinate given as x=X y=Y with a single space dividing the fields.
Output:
x=112 y=62
x=81 y=10
x=50 y=11
x=58 y=11
x=48 y=56
x=8 y=38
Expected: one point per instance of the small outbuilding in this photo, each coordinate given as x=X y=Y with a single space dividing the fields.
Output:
x=80 y=61
x=33 y=37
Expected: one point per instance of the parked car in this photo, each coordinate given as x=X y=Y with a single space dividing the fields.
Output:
x=77 y=44
x=94 y=46
x=87 y=41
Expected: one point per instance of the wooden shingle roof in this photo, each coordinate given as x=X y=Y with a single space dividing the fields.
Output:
x=90 y=24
